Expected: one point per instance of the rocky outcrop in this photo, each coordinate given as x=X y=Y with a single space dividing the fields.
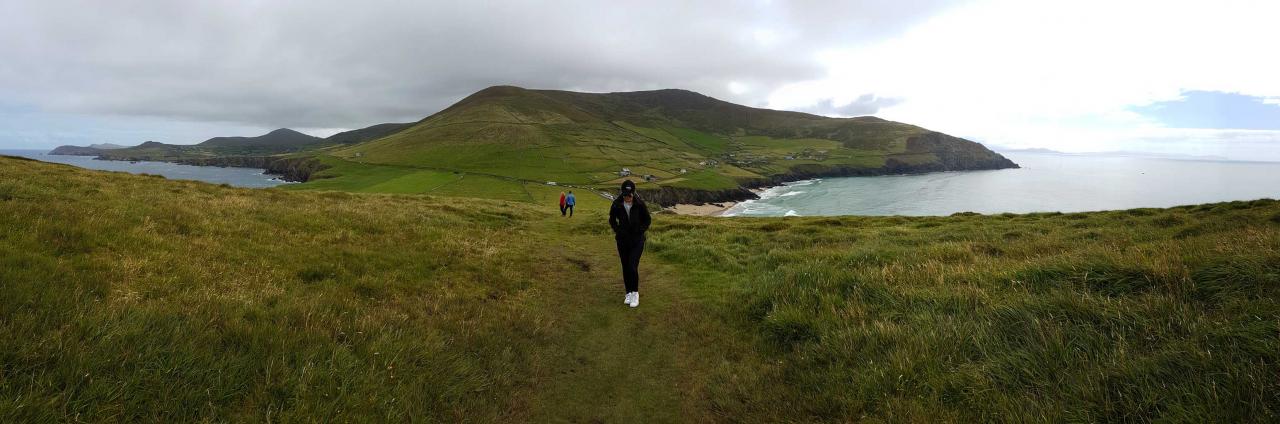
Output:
x=952 y=153
x=671 y=196
x=892 y=166
x=957 y=154
x=76 y=151
x=91 y=150
x=298 y=169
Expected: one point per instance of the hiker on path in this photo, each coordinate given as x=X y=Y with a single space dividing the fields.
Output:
x=629 y=218
x=568 y=203
x=562 y=203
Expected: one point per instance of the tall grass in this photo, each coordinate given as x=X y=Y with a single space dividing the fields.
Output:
x=135 y=298
x=127 y=298
x=1115 y=316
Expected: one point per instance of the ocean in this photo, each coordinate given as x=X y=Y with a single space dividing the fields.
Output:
x=239 y=177
x=1047 y=182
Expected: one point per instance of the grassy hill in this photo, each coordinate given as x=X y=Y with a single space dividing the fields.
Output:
x=276 y=142
x=90 y=150
x=135 y=298
x=368 y=133
x=686 y=140
x=283 y=138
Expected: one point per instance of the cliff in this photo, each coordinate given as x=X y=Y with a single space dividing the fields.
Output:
x=297 y=169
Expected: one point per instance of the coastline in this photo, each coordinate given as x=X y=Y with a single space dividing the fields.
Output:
x=709 y=208
x=705 y=209
x=751 y=189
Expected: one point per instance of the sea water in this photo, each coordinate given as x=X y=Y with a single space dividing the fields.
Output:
x=239 y=177
x=1046 y=183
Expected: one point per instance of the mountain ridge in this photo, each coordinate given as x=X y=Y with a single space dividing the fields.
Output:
x=681 y=139
x=283 y=140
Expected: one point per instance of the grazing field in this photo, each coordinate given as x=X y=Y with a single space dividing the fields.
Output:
x=135 y=298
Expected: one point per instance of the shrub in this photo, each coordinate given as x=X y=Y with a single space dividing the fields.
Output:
x=788 y=328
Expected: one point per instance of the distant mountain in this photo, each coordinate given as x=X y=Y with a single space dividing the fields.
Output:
x=283 y=137
x=1117 y=153
x=283 y=140
x=75 y=151
x=683 y=139
x=1026 y=150
x=91 y=150
x=367 y=133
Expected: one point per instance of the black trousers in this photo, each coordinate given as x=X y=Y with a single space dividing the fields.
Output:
x=629 y=251
x=570 y=210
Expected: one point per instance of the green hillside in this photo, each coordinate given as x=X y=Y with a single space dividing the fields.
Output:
x=368 y=133
x=283 y=137
x=684 y=139
x=129 y=298
x=276 y=142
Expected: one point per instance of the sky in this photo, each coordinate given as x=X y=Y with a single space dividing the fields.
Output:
x=1077 y=76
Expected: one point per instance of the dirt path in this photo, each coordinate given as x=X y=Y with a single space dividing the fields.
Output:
x=621 y=364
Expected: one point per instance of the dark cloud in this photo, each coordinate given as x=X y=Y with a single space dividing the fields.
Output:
x=349 y=64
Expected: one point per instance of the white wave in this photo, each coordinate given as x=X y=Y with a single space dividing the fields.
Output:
x=772 y=192
x=737 y=209
x=802 y=183
x=792 y=193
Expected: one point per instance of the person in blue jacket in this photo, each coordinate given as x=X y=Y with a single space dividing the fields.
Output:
x=569 y=201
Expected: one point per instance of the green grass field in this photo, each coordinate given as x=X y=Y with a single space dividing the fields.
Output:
x=135 y=298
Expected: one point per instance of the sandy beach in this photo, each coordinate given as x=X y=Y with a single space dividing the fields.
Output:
x=706 y=209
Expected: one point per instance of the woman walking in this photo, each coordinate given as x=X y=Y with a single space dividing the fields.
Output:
x=629 y=218
x=562 y=203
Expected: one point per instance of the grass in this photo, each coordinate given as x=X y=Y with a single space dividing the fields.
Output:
x=1110 y=316
x=135 y=298
x=360 y=177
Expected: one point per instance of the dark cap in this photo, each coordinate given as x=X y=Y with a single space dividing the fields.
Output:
x=628 y=187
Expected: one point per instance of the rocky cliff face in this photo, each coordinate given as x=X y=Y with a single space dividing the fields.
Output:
x=957 y=154
x=953 y=153
x=289 y=169
x=671 y=196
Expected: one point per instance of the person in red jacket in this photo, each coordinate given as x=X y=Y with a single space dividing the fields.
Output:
x=562 y=207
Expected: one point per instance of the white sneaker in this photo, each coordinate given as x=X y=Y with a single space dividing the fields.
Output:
x=626 y=300
x=635 y=299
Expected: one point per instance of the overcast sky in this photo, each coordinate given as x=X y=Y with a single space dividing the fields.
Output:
x=1072 y=76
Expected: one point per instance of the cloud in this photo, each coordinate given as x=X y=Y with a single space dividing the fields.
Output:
x=1059 y=75
x=333 y=63
x=866 y=104
x=1212 y=109
x=1070 y=76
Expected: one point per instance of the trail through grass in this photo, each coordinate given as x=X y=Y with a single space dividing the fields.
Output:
x=621 y=364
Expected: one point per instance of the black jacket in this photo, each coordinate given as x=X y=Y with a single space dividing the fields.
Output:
x=629 y=227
